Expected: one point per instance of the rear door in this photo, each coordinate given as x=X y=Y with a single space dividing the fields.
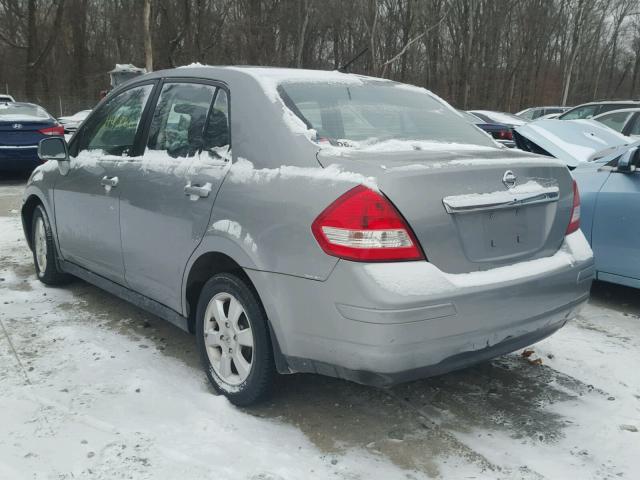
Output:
x=167 y=194
x=86 y=199
x=616 y=227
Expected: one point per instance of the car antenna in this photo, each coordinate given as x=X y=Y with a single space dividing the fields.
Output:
x=344 y=67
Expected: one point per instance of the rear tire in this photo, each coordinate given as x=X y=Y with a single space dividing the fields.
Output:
x=45 y=257
x=233 y=338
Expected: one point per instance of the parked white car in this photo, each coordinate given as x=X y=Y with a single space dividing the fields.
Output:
x=72 y=122
x=625 y=121
x=572 y=141
x=534 y=113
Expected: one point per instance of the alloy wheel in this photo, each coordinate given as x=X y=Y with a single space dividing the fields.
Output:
x=228 y=339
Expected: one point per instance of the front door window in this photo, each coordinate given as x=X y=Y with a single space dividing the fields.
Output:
x=113 y=127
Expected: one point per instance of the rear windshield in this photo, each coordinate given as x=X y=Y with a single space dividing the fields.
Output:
x=373 y=112
x=15 y=111
x=470 y=117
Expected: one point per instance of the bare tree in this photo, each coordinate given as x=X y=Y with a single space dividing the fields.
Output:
x=505 y=54
x=148 y=46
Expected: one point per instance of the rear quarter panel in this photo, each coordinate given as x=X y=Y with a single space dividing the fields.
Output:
x=590 y=180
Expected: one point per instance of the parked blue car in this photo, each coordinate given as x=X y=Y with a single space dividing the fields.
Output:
x=22 y=126
x=610 y=217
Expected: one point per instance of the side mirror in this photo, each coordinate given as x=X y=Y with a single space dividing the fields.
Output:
x=54 y=148
x=628 y=160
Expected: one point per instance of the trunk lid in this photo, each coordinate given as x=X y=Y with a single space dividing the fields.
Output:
x=22 y=133
x=463 y=214
x=572 y=141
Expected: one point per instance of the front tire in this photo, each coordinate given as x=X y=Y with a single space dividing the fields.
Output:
x=45 y=257
x=233 y=338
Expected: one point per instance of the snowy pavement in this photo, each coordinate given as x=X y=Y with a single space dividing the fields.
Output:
x=93 y=388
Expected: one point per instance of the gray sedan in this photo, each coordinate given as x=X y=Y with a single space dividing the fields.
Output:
x=309 y=221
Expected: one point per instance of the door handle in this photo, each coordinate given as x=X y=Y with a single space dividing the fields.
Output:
x=197 y=191
x=109 y=182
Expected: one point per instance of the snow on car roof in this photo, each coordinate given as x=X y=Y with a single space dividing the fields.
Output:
x=609 y=102
x=127 y=67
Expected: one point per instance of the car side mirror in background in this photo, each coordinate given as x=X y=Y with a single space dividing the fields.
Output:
x=54 y=148
x=628 y=161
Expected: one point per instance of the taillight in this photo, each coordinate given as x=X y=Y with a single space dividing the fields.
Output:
x=57 y=130
x=362 y=225
x=574 y=223
x=505 y=135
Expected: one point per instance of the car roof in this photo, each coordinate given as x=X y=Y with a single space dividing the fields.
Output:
x=263 y=75
x=545 y=106
x=258 y=72
x=610 y=102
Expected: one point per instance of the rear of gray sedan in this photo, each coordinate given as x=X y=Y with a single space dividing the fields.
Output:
x=454 y=252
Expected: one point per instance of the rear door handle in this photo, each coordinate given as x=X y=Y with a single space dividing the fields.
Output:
x=197 y=191
x=109 y=182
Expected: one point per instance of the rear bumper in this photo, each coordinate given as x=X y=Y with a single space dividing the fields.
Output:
x=18 y=159
x=386 y=323
x=506 y=143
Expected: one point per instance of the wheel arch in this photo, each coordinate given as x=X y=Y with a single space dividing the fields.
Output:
x=26 y=213
x=201 y=270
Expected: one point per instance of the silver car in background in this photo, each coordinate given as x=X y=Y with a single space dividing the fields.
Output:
x=310 y=221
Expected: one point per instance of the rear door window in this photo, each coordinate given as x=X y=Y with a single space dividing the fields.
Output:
x=615 y=120
x=217 y=134
x=635 y=127
x=178 y=124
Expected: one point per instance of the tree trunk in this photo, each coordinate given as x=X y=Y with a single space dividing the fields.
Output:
x=634 y=77
x=79 y=41
x=148 y=48
x=372 y=40
x=303 y=33
x=32 y=39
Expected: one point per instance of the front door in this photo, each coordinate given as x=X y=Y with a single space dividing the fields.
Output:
x=167 y=194
x=86 y=199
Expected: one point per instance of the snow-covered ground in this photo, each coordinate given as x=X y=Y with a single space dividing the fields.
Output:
x=93 y=388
